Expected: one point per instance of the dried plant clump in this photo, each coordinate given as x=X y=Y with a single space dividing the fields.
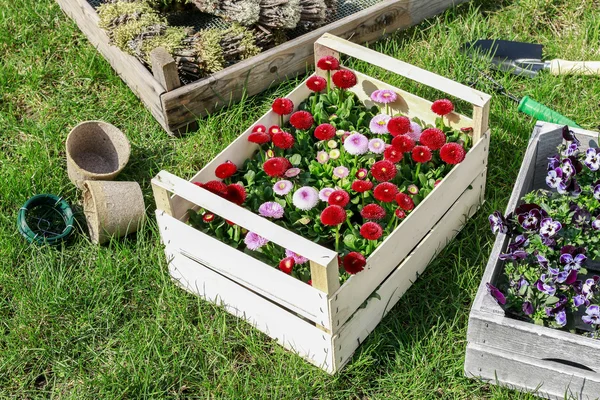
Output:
x=244 y=12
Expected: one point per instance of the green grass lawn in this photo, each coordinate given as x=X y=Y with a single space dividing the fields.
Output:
x=83 y=321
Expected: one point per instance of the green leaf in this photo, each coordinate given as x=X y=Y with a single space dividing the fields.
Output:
x=349 y=240
x=296 y=159
x=551 y=300
x=249 y=176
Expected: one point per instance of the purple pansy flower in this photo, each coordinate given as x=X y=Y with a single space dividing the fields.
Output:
x=496 y=293
x=581 y=216
x=271 y=209
x=585 y=291
x=356 y=144
x=592 y=159
x=561 y=318
x=596 y=224
x=521 y=241
x=254 y=241
x=514 y=256
x=566 y=277
x=597 y=192
x=543 y=261
x=592 y=316
x=498 y=223
x=530 y=220
x=549 y=228
x=569 y=135
x=571 y=262
x=553 y=162
x=554 y=177
x=547 y=288
x=527 y=308
x=568 y=168
x=571 y=149
x=379 y=123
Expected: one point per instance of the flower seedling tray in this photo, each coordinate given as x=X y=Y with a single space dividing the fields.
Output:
x=551 y=363
x=324 y=323
x=177 y=107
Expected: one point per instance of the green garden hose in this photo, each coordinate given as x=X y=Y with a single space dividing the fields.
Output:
x=45 y=219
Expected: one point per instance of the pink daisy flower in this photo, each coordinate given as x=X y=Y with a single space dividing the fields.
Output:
x=322 y=157
x=297 y=257
x=254 y=241
x=379 y=123
x=325 y=193
x=341 y=172
x=356 y=144
x=376 y=146
x=305 y=198
x=283 y=187
x=271 y=209
x=292 y=172
x=384 y=96
x=415 y=131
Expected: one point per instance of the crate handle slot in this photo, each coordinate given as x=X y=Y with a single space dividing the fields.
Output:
x=329 y=44
x=569 y=363
x=323 y=262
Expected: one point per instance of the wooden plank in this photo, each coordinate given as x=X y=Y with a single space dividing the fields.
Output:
x=249 y=272
x=244 y=218
x=481 y=116
x=257 y=73
x=546 y=379
x=326 y=278
x=162 y=199
x=164 y=69
x=408 y=234
x=417 y=74
x=289 y=330
x=133 y=73
x=393 y=288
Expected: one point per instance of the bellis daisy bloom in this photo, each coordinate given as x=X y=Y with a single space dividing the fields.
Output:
x=276 y=166
x=339 y=198
x=405 y=201
x=298 y=259
x=283 y=140
x=216 y=187
x=305 y=198
x=271 y=209
x=259 y=128
x=362 y=186
x=322 y=157
x=328 y=63
x=332 y=144
x=421 y=154
x=372 y=212
x=400 y=213
x=225 y=170
x=236 y=193
x=283 y=187
x=334 y=154
x=325 y=193
x=356 y=144
x=433 y=138
x=340 y=172
x=415 y=131
x=254 y=241
x=270 y=153
x=452 y=153
x=340 y=132
x=333 y=215
x=354 y=262
x=383 y=170
x=384 y=96
x=344 y=79
x=208 y=217
x=442 y=107
x=361 y=173
x=385 y=192
x=412 y=189
x=287 y=265
x=371 y=230
x=282 y=106
x=273 y=130
x=316 y=83
x=403 y=143
x=379 y=123
x=302 y=120
x=398 y=126
x=292 y=172
x=324 y=132
x=393 y=154
x=376 y=146
x=259 y=137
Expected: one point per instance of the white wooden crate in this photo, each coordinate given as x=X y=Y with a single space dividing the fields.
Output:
x=315 y=321
x=550 y=363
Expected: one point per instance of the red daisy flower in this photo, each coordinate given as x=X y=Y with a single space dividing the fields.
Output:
x=393 y=154
x=467 y=129
x=354 y=262
x=282 y=106
x=287 y=264
x=199 y=184
x=236 y=194
x=225 y=170
x=452 y=153
x=362 y=186
x=301 y=120
x=259 y=128
x=442 y=107
x=208 y=217
x=433 y=138
x=371 y=230
x=344 y=79
x=259 y=137
x=362 y=173
x=405 y=201
x=216 y=187
x=373 y=211
x=325 y=132
x=328 y=63
x=421 y=154
x=333 y=215
x=283 y=140
x=273 y=130
x=316 y=83
x=339 y=198
x=400 y=213
x=384 y=170
x=404 y=143
x=276 y=166
x=385 y=192
x=398 y=126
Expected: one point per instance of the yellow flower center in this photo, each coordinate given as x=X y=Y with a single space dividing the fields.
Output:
x=383 y=169
x=382 y=122
x=282 y=186
x=386 y=95
x=376 y=145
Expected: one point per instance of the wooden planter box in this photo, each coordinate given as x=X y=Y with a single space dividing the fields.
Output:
x=551 y=363
x=321 y=322
x=177 y=108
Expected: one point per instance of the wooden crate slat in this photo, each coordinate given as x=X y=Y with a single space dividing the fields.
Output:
x=398 y=245
x=290 y=331
x=253 y=274
x=546 y=379
x=366 y=319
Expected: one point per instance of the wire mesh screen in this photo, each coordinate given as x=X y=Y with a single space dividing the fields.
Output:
x=199 y=20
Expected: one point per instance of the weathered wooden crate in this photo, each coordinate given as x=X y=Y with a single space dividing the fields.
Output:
x=176 y=108
x=323 y=322
x=550 y=363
